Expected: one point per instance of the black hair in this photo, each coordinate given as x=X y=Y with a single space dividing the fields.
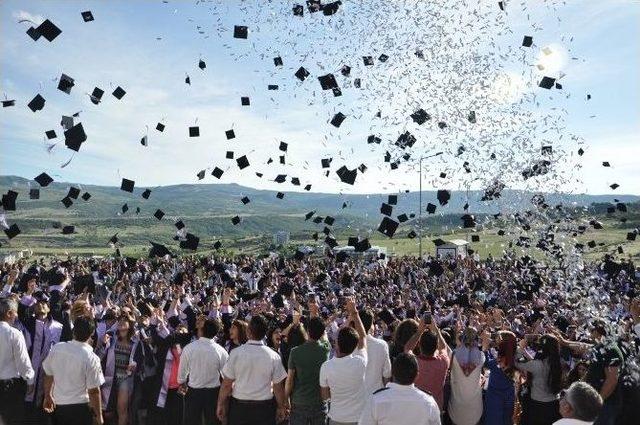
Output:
x=347 y=340
x=315 y=328
x=210 y=328
x=258 y=327
x=550 y=351
x=428 y=343
x=83 y=329
x=366 y=316
x=404 y=369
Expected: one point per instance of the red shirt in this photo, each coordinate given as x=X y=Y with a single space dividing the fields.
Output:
x=173 y=377
x=432 y=373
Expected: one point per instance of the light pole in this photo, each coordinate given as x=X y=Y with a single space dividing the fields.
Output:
x=420 y=201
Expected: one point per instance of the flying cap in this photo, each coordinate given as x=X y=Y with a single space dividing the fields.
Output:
x=65 y=84
x=240 y=31
x=37 y=103
x=12 y=231
x=158 y=214
x=127 y=185
x=43 y=179
x=87 y=16
x=388 y=227
x=74 y=137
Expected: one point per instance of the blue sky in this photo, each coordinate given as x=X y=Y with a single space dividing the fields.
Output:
x=473 y=61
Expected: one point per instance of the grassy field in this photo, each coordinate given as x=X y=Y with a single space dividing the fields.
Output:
x=490 y=244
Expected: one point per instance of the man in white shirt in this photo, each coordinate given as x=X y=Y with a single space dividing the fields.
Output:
x=253 y=376
x=580 y=404
x=15 y=366
x=200 y=365
x=73 y=376
x=378 y=362
x=342 y=377
x=400 y=402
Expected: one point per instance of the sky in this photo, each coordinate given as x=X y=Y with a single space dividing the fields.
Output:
x=149 y=47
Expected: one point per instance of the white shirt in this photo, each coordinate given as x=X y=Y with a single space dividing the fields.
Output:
x=254 y=367
x=400 y=405
x=201 y=361
x=345 y=378
x=571 y=421
x=75 y=369
x=378 y=365
x=14 y=357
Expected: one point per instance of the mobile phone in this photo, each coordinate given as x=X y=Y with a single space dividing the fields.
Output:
x=427 y=318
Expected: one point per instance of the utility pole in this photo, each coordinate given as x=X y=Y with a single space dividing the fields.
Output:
x=420 y=200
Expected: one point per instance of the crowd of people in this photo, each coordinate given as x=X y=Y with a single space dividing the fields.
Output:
x=245 y=340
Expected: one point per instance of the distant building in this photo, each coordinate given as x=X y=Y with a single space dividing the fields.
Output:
x=454 y=248
x=281 y=238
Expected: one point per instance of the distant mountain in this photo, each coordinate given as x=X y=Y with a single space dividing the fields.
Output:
x=219 y=200
x=207 y=211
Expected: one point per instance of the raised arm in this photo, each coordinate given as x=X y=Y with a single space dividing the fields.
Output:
x=355 y=318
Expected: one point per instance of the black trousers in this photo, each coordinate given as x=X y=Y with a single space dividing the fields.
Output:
x=201 y=403
x=73 y=414
x=12 y=394
x=243 y=412
x=540 y=413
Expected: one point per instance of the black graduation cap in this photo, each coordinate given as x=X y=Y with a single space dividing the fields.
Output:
x=217 y=172
x=245 y=200
x=74 y=137
x=43 y=179
x=146 y=194
x=48 y=30
x=591 y=244
x=160 y=127
x=527 y=41
x=317 y=220
x=51 y=134
x=295 y=181
x=230 y=134
x=217 y=245
x=308 y=215
x=37 y=103
x=158 y=214
x=179 y=224
x=472 y=117
x=388 y=227
x=158 y=250
x=329 y=220
x=33 y=33
x=405 y=140
x=9 y=200
x=283 y=146
x=298 y=10
x=272 y=87
x=34 y=193
x=383 y=58
x=119 y=93
x=475 y=238
x=124 y=208
x=68 y=230
x=337 y=119
x=67 y=202
x=127 y=185
x=420 y=116
x=235 y=220
x=301 y=74
x=330 y=8
x=96 y=95
x=357 y=83
x=202 y=64
x=468 y=221
x=279 y=195
x=393 y=200
x=402 y=218
x=242 y=162
x=328 y=82
x=631 y=236
x=431 y=208
x=331 y=241
x=280 y=178
x=144 y=141
x=229 y=155
x=74 y=192
x=191 y=242
x=187 y=80
x=87 y=16
x=558 y=86
x=345 y=70
x=443 y=197
x=362 y=168
x=412 y=234
x=200 y=174
x=386 y=209
x=65 y=84
x=368 y=60
x=606 y=164
x=86 y=196
x=194 y=131
x=277 y=61
x=240 y=31
x=7 y=103
x=346 y=175
x=374 y=139
x=12 y=231
x=363 y=245
x=501 y=5
x=614 y=186
x=326 y=162
x=244 y=101
x=547 y=82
